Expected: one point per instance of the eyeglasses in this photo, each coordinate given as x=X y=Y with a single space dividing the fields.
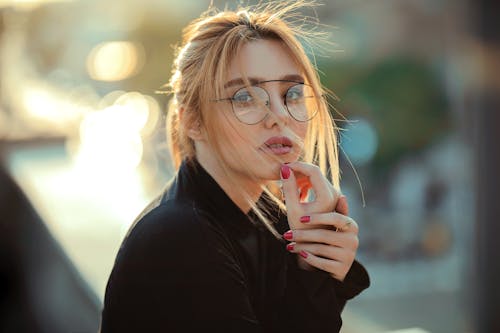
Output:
x=251 y=104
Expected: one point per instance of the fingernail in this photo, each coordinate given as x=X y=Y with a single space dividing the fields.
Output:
x=288 y=235
x=285 y=171
x=289 y=247
x=305 y=219
x=303 y=254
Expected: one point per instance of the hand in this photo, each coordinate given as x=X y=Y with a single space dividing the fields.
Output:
x=304 y=178
x=322 y=233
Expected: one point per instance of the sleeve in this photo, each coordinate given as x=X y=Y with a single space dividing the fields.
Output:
x=315 y=299
x=356 y=280
x=318 y=299
x=176 y=276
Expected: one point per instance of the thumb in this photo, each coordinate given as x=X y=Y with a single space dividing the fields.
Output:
x=342 y=206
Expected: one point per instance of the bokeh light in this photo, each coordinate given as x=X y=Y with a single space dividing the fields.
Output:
x=115 y=60
x=50 y=107
x=359 y=141
x=28 y=4
x=110 y=139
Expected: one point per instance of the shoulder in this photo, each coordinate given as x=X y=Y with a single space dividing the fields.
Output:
x=172 y=245
x=170 y=269
x=170 y=224
x=175 y=232
x=171 y=215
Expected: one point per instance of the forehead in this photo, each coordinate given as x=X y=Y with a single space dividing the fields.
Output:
x=263 y=59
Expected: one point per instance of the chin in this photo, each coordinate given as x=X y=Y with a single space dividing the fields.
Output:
x=270 y=167
x=275 y=170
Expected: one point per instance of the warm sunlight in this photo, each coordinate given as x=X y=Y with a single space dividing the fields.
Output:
x=115 y=61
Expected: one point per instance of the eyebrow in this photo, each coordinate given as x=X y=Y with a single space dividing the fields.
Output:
x=256 y=80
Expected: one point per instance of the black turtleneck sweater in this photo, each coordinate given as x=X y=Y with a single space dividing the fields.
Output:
x=196 y=262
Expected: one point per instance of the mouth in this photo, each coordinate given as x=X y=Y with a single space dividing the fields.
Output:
x=278 y=145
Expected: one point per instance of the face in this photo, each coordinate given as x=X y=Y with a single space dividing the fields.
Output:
x=259 y=149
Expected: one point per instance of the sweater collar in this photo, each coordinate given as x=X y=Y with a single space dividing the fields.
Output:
x=195 y=182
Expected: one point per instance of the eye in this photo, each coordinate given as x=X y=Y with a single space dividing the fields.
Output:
x=243 y=96
x=295 y=93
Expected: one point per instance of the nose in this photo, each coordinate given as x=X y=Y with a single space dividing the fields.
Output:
x=278 y=115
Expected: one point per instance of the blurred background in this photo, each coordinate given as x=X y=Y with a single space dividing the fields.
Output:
x=82 y=142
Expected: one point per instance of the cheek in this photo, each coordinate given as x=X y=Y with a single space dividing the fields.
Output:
x=300 y=130
x=239 y=134
x=238 y=139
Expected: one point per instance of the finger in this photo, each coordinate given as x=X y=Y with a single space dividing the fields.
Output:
x=323 y=251
x=336 y=220
x=342 y=205
x=289 y=188
x=325 y=236
x=336 y=268
x=323 y=190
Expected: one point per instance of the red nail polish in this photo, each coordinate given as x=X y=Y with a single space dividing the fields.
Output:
x=305 y=219
x=289 y=247
x=288 y=235
x=285 y=171
x=303 y=254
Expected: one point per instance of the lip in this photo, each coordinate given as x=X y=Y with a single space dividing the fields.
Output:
x=278 y=145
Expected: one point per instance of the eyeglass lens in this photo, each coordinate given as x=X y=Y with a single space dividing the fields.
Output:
x=251 y=104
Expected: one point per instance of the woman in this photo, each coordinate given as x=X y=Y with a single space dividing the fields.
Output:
x=223 y=249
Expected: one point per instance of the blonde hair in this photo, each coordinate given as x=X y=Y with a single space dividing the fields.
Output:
x=209 y=45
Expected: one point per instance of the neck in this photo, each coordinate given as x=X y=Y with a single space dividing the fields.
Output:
x=233 y=184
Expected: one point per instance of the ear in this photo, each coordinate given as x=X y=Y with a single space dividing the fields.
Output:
x=191 y=126
x=195 y=132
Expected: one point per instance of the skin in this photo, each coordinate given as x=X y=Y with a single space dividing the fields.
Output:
x=330 y=240
x=316 y=242
x=262 y=60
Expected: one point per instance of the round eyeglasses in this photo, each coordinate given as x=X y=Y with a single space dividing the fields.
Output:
x=251 y=104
